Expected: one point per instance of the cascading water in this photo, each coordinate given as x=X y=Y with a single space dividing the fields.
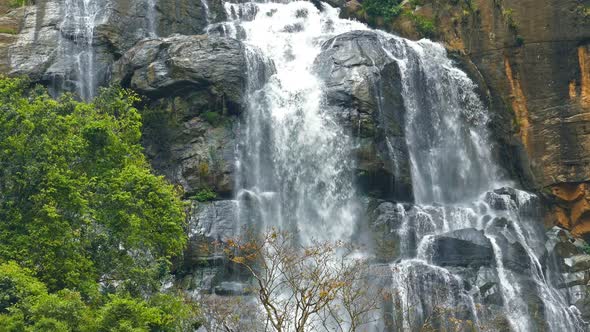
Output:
x=451 y=164
x=295 y=162
x=295 y=172
x=76 y=42
x=152 y=18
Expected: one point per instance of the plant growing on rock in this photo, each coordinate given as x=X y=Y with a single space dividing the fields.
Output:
x=205 y=195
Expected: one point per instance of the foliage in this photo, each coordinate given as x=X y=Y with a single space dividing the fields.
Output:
x=583 y=11
x=390 y=9
x=65 y=310
x=508 y=15
x=384 y=8
x=306 y=287
x=205 y=195
x=81 y=212
x=10 y=31
x=424 y=26
x=19 y=3
x=213 y=118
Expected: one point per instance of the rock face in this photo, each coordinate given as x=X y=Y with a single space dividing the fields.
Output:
x=196 y=87
x=465 y=247
x=187 y=16
x=534 y=55
x=364 y=90
x=571 y=255
x=533 y=59
x=204 y=264
x=175 y=65
x=61 y=43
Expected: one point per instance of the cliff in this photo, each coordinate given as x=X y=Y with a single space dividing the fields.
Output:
x=531 y=59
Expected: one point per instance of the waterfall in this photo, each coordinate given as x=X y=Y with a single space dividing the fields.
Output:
x=76 y=42
x=445 y=128
x=295 y=172
x=295 y=157
x=152 y=18
x=206 y=12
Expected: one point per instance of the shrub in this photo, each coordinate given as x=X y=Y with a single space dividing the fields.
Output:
x=213 y=118
x=384 y=8
x=205 y=195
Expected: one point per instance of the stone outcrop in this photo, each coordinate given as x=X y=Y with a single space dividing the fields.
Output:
x=364 y=91
x=570 y=207
x=204 y=264
x=195 y=87
x=179 y=64
x=45 y=42
x=571 y=255
x=465 y=247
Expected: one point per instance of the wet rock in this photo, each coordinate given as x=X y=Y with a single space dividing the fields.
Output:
x=364 y=92
x=196 y=86
x=430 y=293
x=188 y=17
x=204 y=262
x=179 y=64
x=385 y=220
x=584 y=306
x=465 y=247
x=191 y=152
x=233 y=288
x=244 y=11
x=578 y=263
x=226 y=30
x=215 y=220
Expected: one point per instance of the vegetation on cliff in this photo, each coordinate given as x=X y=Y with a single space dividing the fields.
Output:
x=385 y=12
x=87 y=231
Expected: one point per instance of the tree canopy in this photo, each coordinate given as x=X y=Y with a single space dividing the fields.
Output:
x=85 y=226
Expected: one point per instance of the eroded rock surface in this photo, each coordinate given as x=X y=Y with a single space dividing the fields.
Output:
x=364 y=91
x=196 y=86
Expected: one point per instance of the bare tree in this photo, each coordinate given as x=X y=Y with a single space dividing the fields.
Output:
x=230 y=313
x=313 y=287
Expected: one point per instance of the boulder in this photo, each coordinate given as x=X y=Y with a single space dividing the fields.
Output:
x=385 y=219
x=180 y=64
x=195 y=87
x=363 y=87
x=465 y=247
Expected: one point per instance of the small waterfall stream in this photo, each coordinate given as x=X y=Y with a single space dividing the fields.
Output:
x=152 y=18
x=76 y=42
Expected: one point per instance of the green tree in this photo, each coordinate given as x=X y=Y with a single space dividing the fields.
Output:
x=84 y=216
x=78 y=201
